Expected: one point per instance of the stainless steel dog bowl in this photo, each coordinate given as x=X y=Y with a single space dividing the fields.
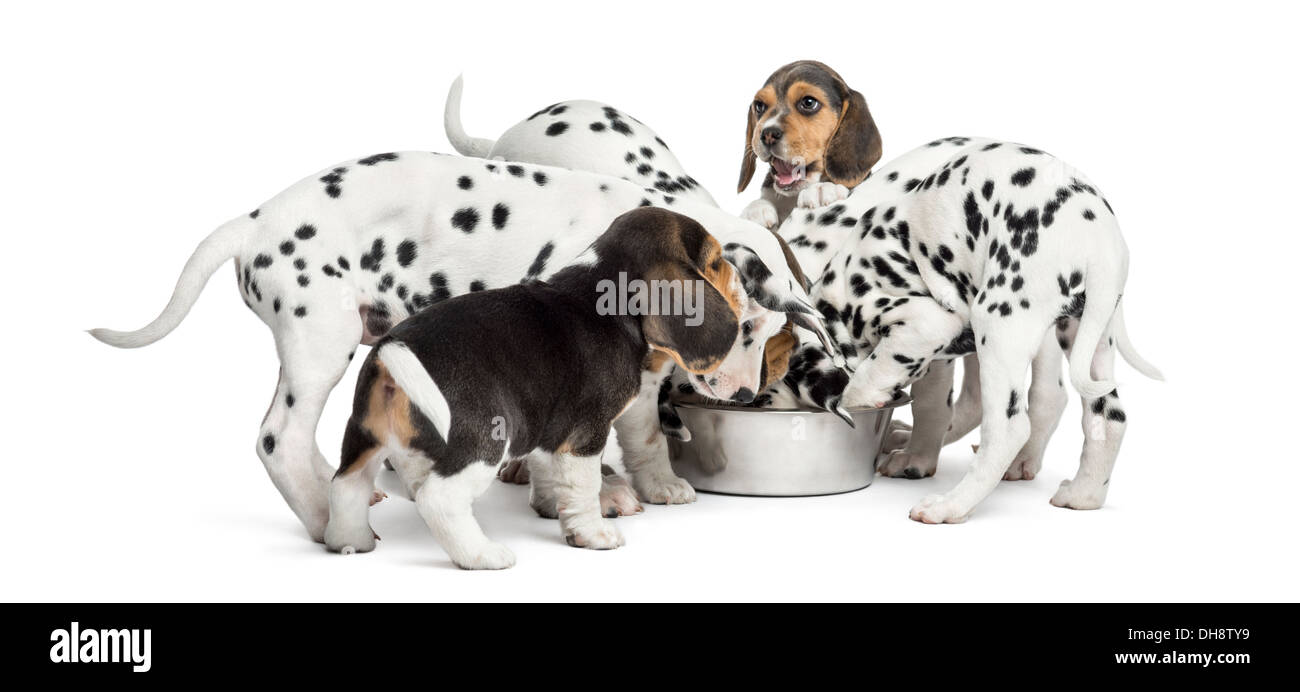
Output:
x=779 y=452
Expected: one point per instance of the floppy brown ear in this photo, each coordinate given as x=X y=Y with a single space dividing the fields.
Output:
x=855 y=146
x=776 y=355
x=749 y=161
x=699 y=342
x=793 y=263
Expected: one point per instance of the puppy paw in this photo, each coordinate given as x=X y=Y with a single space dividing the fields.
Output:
x=900 y=464
x=1075 y=495
x=938 y=509
x=600 y=534
x=664 y=489
x=1023 y=468
x=490 y=556
x=897 y=437
x=360 y=539
x=514 y=471
x=617 y=499
x=761 y=212
x=822 y=194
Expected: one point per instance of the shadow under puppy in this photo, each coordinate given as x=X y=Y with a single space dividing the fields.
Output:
x=540 y=369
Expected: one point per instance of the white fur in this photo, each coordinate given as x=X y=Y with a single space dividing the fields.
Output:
x=410 y=375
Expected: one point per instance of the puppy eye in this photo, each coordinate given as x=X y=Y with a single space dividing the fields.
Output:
x=809 y=105
x=759 y=107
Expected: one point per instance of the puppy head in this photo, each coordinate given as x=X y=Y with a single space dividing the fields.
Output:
x=699 y=314
x=808 y=125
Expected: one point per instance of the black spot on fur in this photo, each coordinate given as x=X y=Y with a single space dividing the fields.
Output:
x=556 y=129
x=1023 y=177
x=597 y=127
x=287 y=247
x=406 y=253
x=465 y=182
x=305 y=232
x=372 y=259
x=500 y=214
x=377 y=158
x=539 y=264
x=300 y=311
x=262 y=261
x=268 y=443
x=465 y=219
x=288 y=400
x=475 y=286
x=539 y=178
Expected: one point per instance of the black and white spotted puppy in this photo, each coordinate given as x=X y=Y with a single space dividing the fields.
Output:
x=536 y=369
x=583 y=136
x=970 y=245
x=340 y=257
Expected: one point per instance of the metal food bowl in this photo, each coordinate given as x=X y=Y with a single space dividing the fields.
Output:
x=779 y=452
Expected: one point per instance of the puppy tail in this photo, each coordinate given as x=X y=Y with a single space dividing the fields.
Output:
x=1102 y=290
x=469 y=146
x=221 y=245
x=409 y=374
x=1126 y=347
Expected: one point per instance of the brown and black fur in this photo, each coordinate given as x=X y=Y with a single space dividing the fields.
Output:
x=840 y=141
x=538 y=358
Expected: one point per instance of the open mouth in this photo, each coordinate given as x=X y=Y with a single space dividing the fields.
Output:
x=787 y=175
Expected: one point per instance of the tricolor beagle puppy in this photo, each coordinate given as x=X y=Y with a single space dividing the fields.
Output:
x=815 y=133
x=537 y=369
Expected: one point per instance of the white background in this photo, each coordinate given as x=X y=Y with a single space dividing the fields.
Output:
x=132 y=129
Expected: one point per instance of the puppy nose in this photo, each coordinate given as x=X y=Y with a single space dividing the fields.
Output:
x=744 y=395
x=771 y=135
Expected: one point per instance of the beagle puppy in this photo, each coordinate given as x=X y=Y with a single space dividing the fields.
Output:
x=537 y=369
x=816 y=135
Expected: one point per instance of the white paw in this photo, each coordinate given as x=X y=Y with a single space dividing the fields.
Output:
x=595 y=535
x=514 y=471
x=1072 y=495
x=897 y=437
x=938 y=509
x=1023 y=468
x=822 y=194
x=900 y=464
x=617 y=499
x=490 y=556
x=351 y=540
x=858 y=394
x=664 y=489
x=761 y=212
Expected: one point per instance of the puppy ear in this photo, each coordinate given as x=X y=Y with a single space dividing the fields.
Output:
x=699 y=341
x=793 y=264
x=855 y=145
x=748 y=161
x=776 y=355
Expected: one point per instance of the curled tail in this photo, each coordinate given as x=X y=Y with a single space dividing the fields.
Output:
x=1103 y=291
x=1102 y=311
x=409 y=374
x=463 y=143
x=1126 y=349
x=221 y=245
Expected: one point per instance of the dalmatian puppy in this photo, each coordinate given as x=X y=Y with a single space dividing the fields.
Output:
x=583 y=136
x=816 y=135
x=595 y=137
x=978 y=246
x=339 y=258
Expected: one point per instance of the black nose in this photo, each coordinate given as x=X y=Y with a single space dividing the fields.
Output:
x=771 y=135
x=744 y=395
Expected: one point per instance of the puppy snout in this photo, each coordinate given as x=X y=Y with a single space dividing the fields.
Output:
x=771 y=135
x=744 y=395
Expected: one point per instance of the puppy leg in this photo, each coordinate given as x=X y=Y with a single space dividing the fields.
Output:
x=577 y=501
x=313 y=360
x=349 y=529
x=1046 y=404
x=1009 y=344
x=447 y=505
x=1104 y=424
x=761 y=212
x=617 y=498
x=967 y=412
x=645 y=449
x=932 y=410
